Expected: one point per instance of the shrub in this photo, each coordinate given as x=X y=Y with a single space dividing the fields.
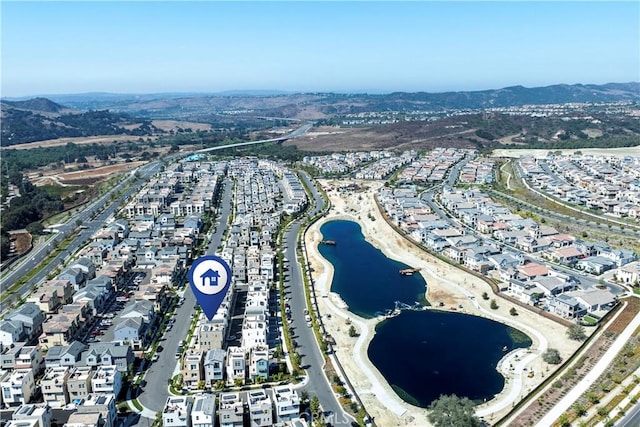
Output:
x=576 y=333
x=552 y=356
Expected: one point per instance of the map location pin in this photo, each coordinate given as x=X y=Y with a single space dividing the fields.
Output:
x=210 y=277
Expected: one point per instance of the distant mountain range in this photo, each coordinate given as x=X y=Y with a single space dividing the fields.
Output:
x=85 y=114
x=328 y=103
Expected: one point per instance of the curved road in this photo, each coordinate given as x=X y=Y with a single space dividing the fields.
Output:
x=312 y=357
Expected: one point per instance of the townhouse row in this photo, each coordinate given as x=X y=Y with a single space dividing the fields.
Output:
x=94 y=410
x=432 y=167
x=383 y=168
x=339 y=163
x=278 y=407
x=66 y=373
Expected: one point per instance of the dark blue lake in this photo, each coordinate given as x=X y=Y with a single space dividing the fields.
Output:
x=365 y=278
x=422 y=354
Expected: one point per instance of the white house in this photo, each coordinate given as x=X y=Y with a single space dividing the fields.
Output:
x=231 y=410
x=107 y=379
x=203 y=411
x=287 y=403
x=214 y=362
x=236 y=364
x=260 y=408
x=17 y=386
x=177 y=412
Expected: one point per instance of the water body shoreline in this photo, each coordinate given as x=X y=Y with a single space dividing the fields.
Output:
x=445 y=283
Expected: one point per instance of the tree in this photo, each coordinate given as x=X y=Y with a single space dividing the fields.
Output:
x=451 y=410
x=579 y=409
x=35 y=228
x=552 y=356
x=513 y=311
x=564 y=420
x=485 y=296
x=576 y=333
x=493 y=305
x=352 y=331
x=314 y=405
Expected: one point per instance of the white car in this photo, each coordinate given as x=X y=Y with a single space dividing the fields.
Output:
x=155 y=357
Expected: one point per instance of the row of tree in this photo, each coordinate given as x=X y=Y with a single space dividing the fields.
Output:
x=27 y=210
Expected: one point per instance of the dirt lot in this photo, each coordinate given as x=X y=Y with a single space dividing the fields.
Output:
x=80 y=177
x=22 y=240
x=406 y=136
x=78 y=140
x=168 y=125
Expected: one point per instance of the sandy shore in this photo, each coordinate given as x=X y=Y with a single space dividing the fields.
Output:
x=444 y=283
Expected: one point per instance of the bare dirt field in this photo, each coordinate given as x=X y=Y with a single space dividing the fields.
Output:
x=22 y=240
x=77 y=140
x=398 y=137
x=80 y=177
x=101 y=171
x=168 y=125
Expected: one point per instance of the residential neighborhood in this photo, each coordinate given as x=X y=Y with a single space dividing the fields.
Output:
x=83 y=334
x=532 y=262
x=78 y=347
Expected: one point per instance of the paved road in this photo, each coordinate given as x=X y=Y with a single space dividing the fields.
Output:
x=85 y=217
x=632 y=419
x=296 y=133
x=155 y=392
x=312 y=357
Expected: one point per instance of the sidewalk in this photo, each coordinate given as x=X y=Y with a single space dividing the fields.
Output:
x=577 y=391
x=612 y=394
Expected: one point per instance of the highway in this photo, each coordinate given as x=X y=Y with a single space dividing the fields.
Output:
x=296 y=133
x=37 y=256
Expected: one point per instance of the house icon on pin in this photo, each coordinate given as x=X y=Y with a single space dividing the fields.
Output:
x=210 y=275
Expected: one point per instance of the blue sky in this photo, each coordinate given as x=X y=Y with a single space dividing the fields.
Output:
x=144 y=47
